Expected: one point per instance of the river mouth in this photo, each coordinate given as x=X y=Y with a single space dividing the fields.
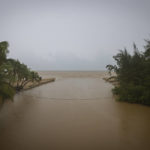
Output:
x=77 y=111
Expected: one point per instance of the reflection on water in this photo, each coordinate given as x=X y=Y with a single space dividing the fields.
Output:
x=75 y=112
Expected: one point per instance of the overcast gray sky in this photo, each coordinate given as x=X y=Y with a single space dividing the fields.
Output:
x=73 y=34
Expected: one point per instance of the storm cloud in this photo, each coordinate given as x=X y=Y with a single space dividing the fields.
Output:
x=74 y=34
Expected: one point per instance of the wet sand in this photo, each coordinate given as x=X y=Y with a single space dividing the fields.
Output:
x=76 y=112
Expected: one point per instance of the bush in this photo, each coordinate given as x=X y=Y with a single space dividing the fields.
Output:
x=13 y=74
x=133 y=75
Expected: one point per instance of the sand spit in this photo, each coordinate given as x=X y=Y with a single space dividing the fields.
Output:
x=112 y=80
x=35 y=84
x=31 y=85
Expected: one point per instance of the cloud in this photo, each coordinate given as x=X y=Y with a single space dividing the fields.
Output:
x=67 y=35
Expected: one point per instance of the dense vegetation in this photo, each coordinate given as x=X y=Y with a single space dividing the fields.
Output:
x=133 y=75
x=13 y=74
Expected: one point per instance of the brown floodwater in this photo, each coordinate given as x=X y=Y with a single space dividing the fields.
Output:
x=76 y=112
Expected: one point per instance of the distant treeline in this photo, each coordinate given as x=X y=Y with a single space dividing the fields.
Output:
x=13 y=74
x=133 y=75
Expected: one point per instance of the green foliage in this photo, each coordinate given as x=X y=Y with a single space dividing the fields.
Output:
x=6 y=91
x=20 y=74
x=133 y=75
x=3 y=51
x=13 y=74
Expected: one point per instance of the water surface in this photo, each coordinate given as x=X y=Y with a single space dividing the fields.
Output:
x=76 y=112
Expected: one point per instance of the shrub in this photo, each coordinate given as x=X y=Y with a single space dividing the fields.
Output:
x=133 y=75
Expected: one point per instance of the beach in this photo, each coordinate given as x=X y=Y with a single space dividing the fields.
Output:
x=76 y=112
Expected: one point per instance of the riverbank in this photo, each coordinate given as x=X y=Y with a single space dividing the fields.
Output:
x=111 y=79
x=31 y=85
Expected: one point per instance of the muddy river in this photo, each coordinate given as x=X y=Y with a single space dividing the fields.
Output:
x=76 y=112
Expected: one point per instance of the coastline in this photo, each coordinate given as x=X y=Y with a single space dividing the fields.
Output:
x=31 y=85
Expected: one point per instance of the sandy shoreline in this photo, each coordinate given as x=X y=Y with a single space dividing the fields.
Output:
x=35 y=84
x=31 y=85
